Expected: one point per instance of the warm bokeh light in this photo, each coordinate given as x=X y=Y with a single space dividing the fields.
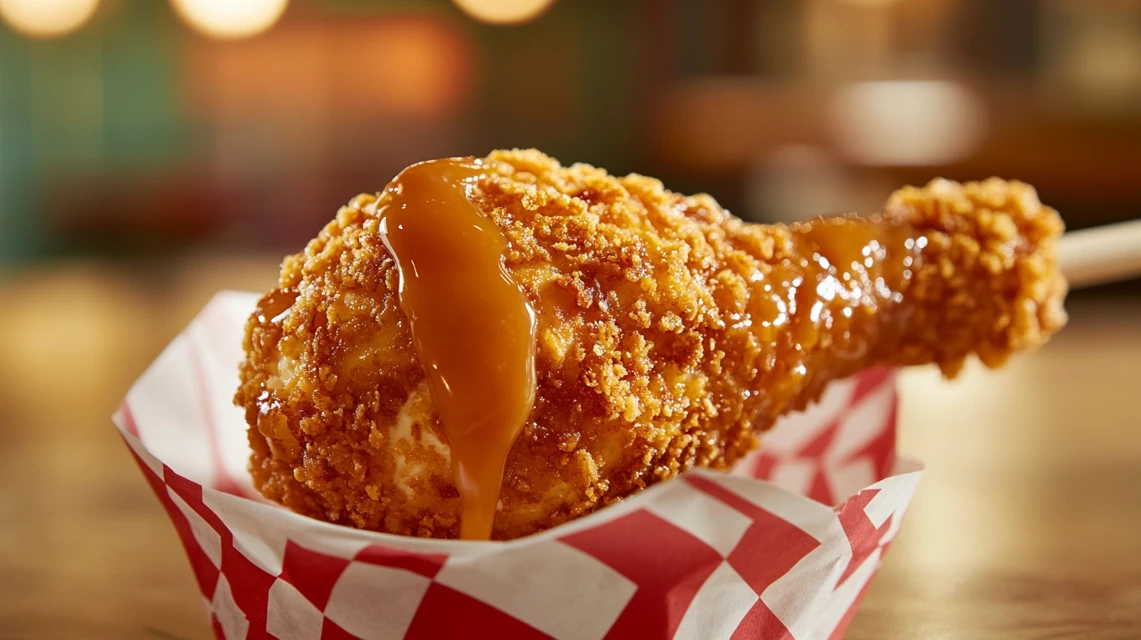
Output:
x=504 y=11
x=916 y=123
x=230 y=19
x=310 y=72
x=47 y=18
x=872 y=4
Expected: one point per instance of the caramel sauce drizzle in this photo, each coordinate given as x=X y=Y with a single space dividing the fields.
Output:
x=472 y=327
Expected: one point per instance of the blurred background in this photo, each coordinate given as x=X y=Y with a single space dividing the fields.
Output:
x=155 y=151
x=156 y=130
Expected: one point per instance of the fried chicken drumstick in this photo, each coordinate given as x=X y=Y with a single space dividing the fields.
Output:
x=667 y=334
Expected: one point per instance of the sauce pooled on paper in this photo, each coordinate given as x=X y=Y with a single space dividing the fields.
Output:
x=472 y=327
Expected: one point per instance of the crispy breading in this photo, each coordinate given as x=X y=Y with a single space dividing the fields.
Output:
x=670 y=334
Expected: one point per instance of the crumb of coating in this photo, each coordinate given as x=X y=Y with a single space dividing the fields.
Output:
x=670 y=334
x=993 y=271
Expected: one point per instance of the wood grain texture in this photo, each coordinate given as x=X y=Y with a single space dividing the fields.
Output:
x=1025 y=525
x=1026 y=522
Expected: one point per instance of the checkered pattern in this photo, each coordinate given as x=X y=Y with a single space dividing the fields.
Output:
x=842 y=443
x=708 y=555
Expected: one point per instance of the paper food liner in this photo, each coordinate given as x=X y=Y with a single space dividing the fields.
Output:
x=760 y=553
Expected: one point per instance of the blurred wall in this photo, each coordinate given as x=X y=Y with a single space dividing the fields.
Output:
x=137 y=135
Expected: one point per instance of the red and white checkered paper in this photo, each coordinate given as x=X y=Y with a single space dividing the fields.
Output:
x=706 y=555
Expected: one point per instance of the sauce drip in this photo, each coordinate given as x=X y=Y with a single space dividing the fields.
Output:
x=472 y=327
x=830 y=308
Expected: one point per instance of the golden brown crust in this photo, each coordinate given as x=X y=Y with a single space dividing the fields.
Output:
x=669 y=335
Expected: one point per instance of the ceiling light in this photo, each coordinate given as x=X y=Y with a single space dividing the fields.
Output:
x=503 y=12
x=230 y=19
x=47 y=18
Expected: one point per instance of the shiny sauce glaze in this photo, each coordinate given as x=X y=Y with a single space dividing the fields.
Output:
x=472 y=327
x=830 y=309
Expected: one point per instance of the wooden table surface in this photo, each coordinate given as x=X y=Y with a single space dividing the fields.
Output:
x=1027 y=523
